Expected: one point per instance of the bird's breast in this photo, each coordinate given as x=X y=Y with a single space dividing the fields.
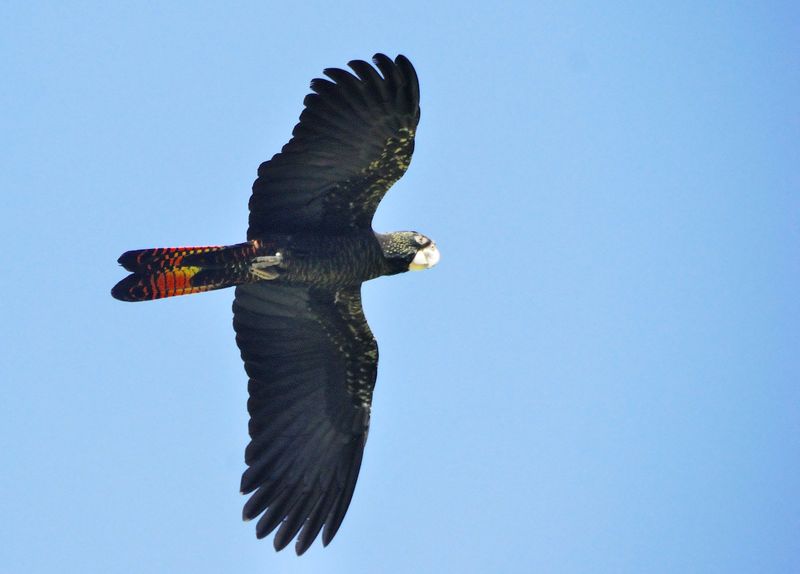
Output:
x=329 y=260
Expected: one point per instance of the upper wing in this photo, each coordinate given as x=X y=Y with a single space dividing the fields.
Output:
x=312 y=363
x=354 y=140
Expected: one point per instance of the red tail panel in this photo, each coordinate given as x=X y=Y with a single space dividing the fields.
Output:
x=160 y=284
x=161 y=257
x=171 y=271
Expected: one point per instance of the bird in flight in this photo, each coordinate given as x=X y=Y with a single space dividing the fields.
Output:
x=308 y=351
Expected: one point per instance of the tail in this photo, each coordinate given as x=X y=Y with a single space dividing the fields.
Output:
x=172 y=271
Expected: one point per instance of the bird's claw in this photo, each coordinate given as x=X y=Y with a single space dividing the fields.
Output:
x=261 y=266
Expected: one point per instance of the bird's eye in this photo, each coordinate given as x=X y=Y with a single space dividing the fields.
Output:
x=420 y=239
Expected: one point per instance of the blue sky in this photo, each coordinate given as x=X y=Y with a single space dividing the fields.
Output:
x=601 y=375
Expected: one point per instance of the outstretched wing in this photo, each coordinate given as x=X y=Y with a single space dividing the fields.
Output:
x=312 y=363
x=354 y=140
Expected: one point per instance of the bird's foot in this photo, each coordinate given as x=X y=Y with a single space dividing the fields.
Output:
x=261 y=266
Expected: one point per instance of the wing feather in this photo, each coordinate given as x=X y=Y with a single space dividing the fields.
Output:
x=312 y=363
x=354 y=140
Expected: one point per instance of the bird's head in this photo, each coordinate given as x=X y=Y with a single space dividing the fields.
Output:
x=408 y=251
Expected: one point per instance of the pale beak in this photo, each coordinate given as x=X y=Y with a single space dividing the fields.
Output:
x=425 y=258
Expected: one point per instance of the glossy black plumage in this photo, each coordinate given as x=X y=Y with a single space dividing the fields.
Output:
x=312 y=363
x=309 y=354
x=354 y=140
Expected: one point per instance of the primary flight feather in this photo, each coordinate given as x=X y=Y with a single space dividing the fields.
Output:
x=307 y=348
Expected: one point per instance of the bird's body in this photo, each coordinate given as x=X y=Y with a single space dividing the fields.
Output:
x=308 y=351
x=305 y=259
